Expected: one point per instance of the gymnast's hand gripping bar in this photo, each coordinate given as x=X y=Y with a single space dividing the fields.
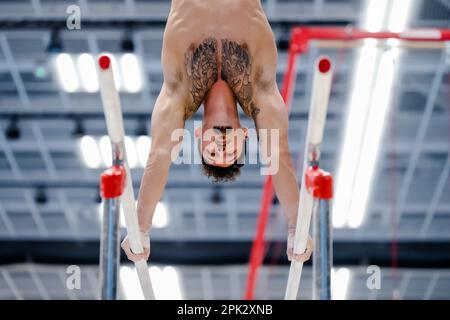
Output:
x=116 y=132
x=316 y=124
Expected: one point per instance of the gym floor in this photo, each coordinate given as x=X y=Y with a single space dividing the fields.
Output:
x=52 y=152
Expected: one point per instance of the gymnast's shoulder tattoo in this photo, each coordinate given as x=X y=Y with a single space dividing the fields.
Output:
x=237 y=71
x=202 y=69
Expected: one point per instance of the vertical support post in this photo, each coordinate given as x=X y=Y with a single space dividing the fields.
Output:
x=323 y=256
x=319 y=185
x=109 y=249
x=112 y=183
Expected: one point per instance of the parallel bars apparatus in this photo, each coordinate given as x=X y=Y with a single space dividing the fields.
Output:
x=300 y=40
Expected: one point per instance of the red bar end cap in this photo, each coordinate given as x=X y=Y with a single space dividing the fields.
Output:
x=104 y=62
x=324 y=64
x=319 y=183
x=112 y=182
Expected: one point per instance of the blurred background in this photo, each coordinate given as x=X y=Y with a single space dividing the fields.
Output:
x=53 y=148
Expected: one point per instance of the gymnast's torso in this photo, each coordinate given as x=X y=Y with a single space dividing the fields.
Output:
x=218 y=39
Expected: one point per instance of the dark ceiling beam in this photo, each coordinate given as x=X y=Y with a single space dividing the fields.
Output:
x=137 y=23
x=411 y=254
x=94 y=184
x=30 y=115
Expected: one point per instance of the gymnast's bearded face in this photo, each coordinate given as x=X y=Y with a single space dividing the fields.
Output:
x=221 y=137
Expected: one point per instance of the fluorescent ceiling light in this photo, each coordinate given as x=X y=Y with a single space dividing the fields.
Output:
x=340 y=282
x=67 y=72
x=166 y=283
x=399 y=15
x=136 y=152
x=104 y=145
x=130 y=148
x=390 y=15
x=143 y=144
x=161 y=216
x=373 y=134
x=375 y=15
x=369 y=104
x=130 y=70
x=89 y=152
x=127 y=73
x=354 y=130
x=172 y=284
x=130 y=283
x=87 y=72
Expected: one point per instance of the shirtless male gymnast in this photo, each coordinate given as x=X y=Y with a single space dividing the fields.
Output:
x=220 y=53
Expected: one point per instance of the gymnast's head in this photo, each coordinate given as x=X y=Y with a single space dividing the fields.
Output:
x=221 y=137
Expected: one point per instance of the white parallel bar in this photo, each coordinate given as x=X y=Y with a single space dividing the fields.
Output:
x=319 y=100
x=316 y=124
x=111 y=102
x=116 y=132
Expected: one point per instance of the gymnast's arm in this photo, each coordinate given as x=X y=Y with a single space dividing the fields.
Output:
x=167 y=116
x=273 y=115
